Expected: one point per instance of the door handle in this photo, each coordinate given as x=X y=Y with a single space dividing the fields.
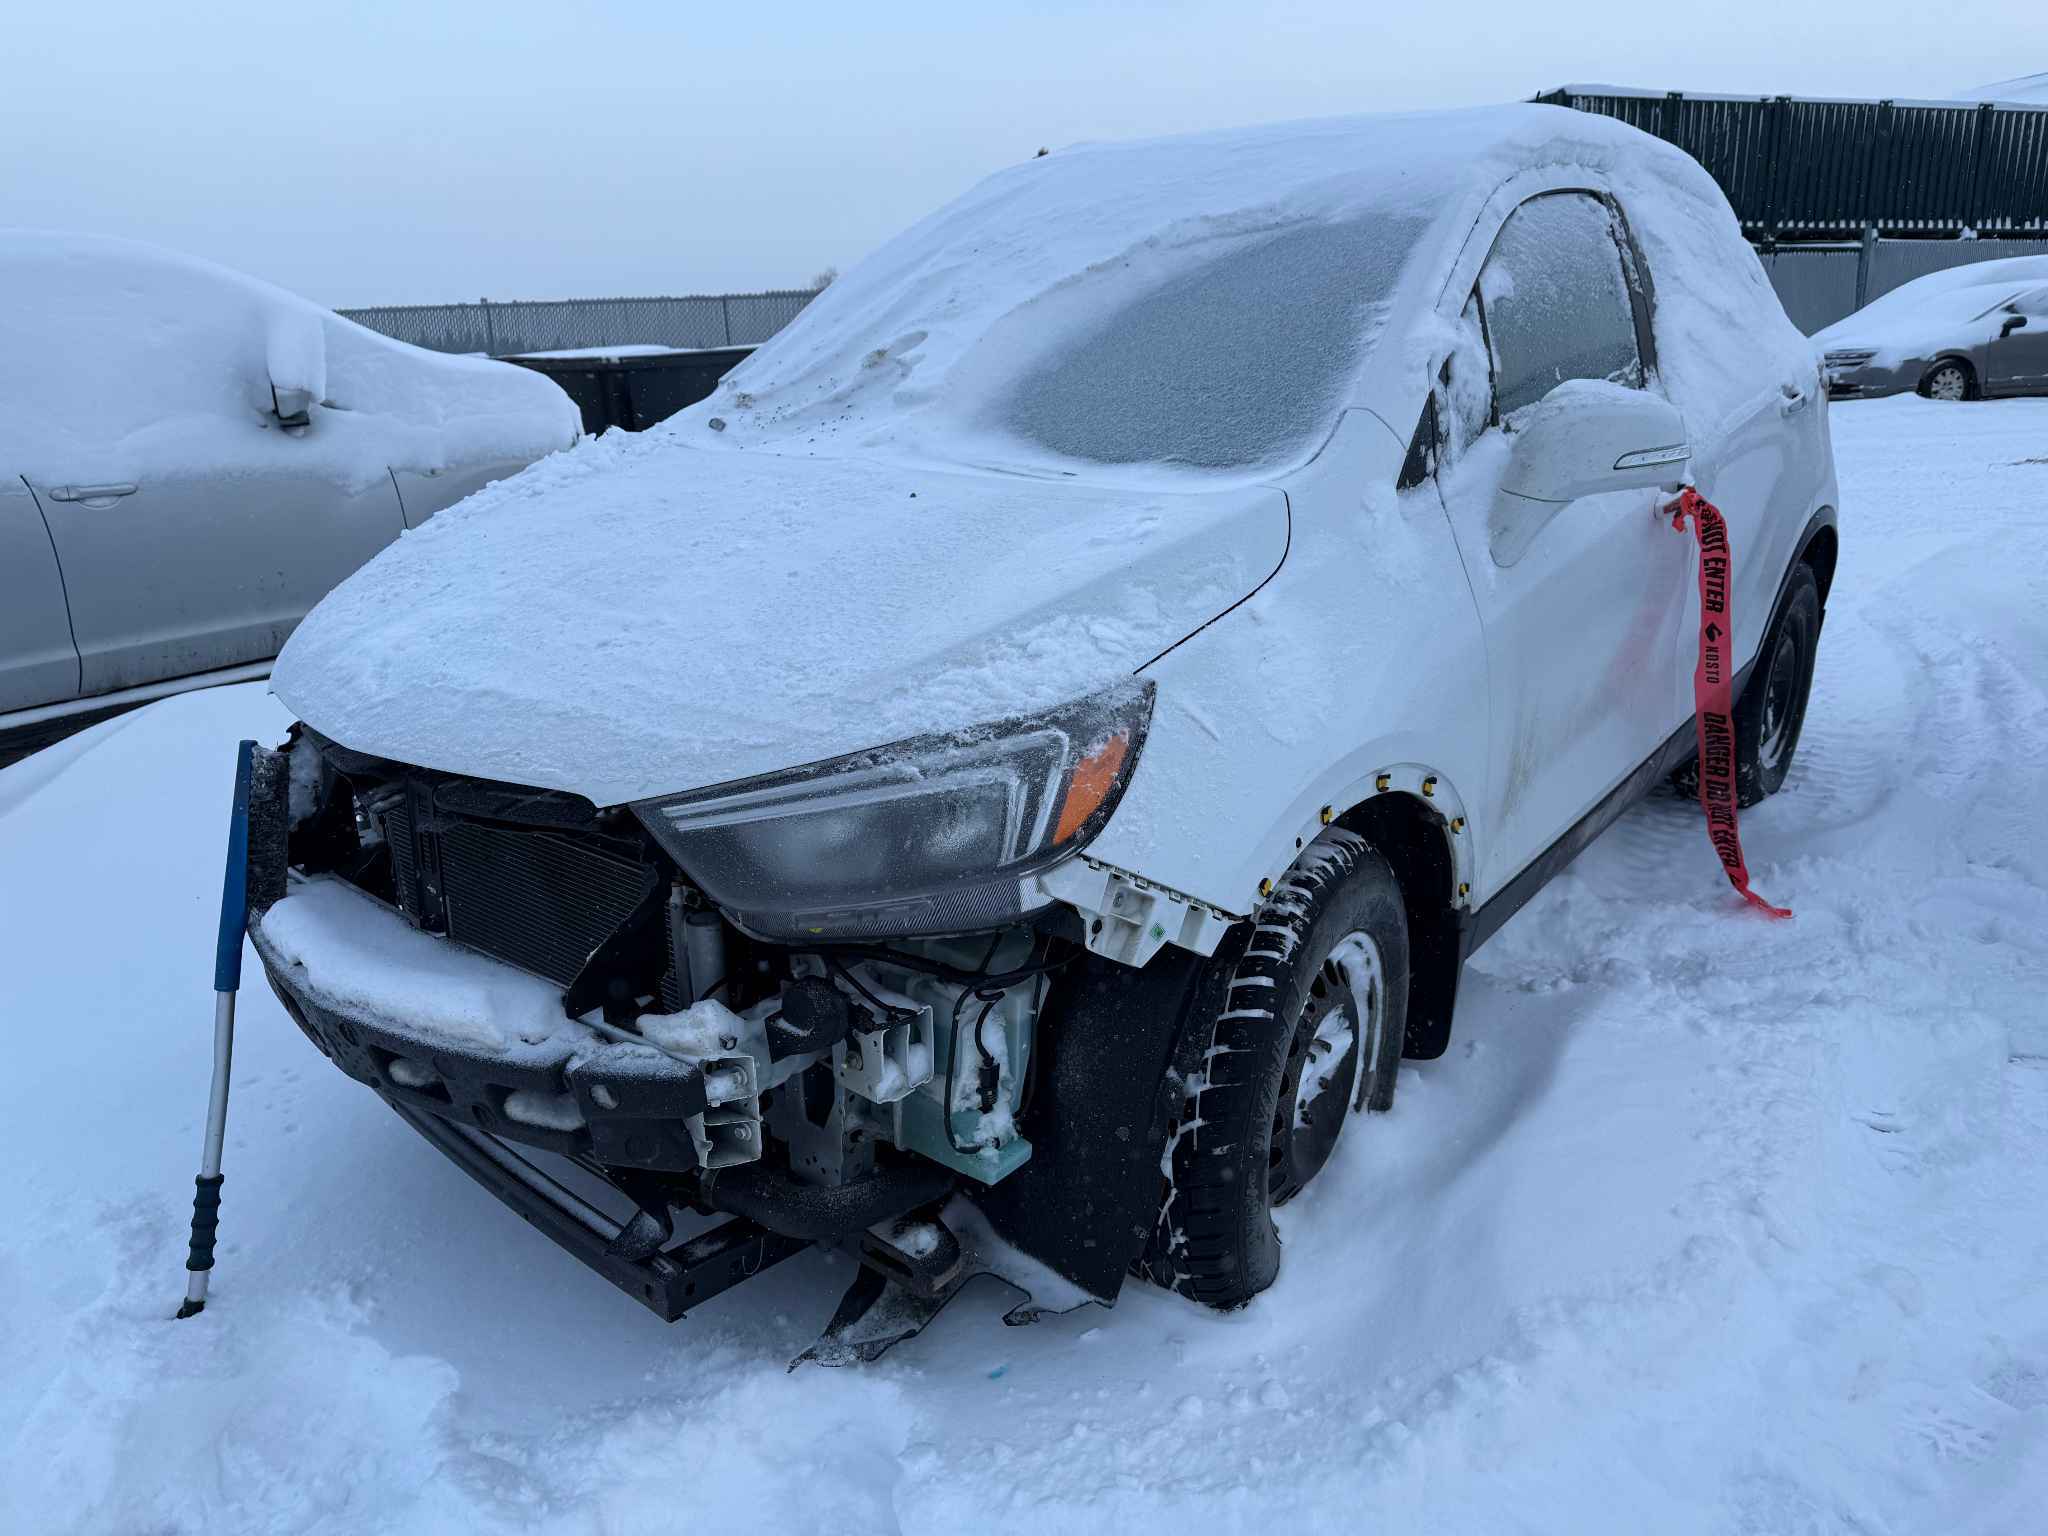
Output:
x=94 y=496
x=1793 y=399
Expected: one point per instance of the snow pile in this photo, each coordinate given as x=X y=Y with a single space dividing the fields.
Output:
x=1958 y=307
x=1705 y=1224
x=366 y=958
x=119 y=360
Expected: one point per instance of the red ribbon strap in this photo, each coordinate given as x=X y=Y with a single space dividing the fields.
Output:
x=1713 y=689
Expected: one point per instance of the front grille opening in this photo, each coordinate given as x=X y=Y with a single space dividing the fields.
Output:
x=539 y=879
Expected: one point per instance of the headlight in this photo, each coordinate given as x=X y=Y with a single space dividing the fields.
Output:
x=931 y=835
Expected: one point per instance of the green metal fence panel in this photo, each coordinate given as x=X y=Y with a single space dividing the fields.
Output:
x=1801 y=169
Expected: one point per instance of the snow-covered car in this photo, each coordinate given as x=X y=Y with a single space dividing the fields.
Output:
x=1030 y=754
x=190 y=459
x=1969 y=333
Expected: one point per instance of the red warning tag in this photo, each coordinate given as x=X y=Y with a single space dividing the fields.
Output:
x=1713 y=690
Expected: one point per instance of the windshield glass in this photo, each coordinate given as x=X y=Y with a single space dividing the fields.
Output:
x=1239 y=361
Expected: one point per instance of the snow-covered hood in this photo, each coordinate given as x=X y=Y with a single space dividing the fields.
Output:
x=644 y=616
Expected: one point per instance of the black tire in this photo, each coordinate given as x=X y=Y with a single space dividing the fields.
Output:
x=1248 y=1141
x=1772 y=710
x=1950 y=378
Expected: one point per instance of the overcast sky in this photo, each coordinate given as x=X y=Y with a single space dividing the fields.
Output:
x=428 y=151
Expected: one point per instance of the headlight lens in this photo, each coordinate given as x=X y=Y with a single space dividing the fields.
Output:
x=931 y=835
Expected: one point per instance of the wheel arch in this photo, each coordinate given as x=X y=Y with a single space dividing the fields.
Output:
x=1412 y=813
x=1421 y=844
x=1972 y=384
x=1821 y=548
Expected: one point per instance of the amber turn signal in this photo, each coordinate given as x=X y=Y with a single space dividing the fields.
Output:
x=1093 y=778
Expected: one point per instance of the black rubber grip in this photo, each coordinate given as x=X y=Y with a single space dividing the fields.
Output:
x=205 y=1222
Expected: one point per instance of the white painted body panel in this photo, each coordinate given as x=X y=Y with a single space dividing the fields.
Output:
x=1530 y=691
x=1363 y=655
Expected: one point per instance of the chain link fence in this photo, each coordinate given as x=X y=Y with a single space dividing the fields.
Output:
x=553 y=325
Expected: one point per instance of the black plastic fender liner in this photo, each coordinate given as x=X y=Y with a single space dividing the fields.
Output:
x=1118 y=1047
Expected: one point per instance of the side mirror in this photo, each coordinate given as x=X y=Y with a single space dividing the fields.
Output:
x=2012 y=323
x=1587 y=436
x=295 y=354
x=292 y=407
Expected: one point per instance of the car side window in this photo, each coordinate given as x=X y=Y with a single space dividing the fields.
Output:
x=1555 y=301
x=2033 y=304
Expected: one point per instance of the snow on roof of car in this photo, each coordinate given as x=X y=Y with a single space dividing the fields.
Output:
x=928 y=349
x=1930 y=308
x=119 y=360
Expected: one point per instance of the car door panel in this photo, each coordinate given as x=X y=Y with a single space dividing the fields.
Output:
x=1760 y=471
x=1582 y=643
x=187 y=573
x=2017 y=363
x=1581 y=602
x=38 y=663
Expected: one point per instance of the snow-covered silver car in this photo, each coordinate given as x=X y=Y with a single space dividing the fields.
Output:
x=1970 y=333
x=190 y=459
x=1017 y=768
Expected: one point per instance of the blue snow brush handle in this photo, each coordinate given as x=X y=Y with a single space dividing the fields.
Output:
x=227 y=980
x=234 y=889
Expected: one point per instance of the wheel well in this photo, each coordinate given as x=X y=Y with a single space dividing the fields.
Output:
x=1820 y=553
x=1969 y=377
x=1415 y=840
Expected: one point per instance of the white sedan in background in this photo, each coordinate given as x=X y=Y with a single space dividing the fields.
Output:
x=190 y=459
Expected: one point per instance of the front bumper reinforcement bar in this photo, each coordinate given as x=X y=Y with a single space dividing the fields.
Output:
x=667 y=1281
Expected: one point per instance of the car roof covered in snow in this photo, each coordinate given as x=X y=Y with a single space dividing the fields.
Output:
x=926 y=350
x=120 y=360
x=1937 y=308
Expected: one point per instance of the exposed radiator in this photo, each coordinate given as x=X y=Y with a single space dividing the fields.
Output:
x=539 y=900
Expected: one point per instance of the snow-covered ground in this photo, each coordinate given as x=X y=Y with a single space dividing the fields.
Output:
x=1705 y=1224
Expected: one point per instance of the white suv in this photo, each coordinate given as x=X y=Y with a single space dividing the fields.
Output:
x=1029 y=756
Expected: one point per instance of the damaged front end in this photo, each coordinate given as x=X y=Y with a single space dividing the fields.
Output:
x=543 y=991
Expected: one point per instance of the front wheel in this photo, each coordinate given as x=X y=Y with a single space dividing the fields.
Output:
x=1947 y=380
x=1308 y=1034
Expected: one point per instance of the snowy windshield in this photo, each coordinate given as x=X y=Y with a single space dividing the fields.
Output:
x=1239 y=361
x=1202 y=308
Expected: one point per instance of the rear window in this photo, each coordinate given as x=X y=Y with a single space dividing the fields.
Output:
x=1241 y=362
